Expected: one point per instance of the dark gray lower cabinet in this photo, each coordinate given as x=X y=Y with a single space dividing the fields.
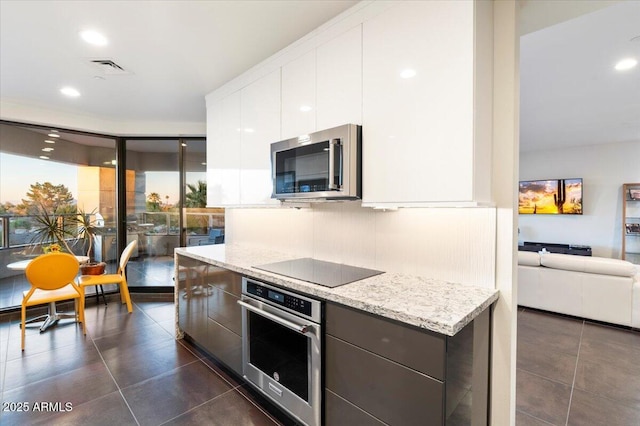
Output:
x=208 y=310
x=379 y=371
x=391 y=392
x=339 y=411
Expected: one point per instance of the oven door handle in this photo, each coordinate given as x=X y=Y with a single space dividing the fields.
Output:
x=299 y=328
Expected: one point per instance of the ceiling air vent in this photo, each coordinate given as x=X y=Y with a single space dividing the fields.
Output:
x=108 y=67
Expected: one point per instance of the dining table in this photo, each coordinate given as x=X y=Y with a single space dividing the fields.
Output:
x=53 y=315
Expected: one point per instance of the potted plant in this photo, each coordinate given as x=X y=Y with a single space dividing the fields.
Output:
x=50 y=230
x=86 y=231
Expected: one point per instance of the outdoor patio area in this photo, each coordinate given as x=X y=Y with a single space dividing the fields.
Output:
x=141 y=272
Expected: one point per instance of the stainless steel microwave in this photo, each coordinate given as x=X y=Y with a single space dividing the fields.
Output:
x=324 y=165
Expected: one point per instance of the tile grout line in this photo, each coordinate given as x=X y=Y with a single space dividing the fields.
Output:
x=533 y=417
x=114 y=380
x=197 y=406
x=233 y=387
x=575 y=373
x=265 y=412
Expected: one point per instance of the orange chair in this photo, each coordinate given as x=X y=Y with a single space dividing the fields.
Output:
x=51 y=277
x=117 y=278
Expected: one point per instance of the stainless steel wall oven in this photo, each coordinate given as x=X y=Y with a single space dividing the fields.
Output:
x=281 y=348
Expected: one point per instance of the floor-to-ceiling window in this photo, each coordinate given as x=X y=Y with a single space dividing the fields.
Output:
x=163 y=207
x=201 y=225
x=49 y=176
x=153 y=209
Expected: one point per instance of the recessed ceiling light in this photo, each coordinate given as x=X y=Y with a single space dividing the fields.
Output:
x=44 y=157
x=49 y=141
x=47 y=149
x=53 y=135
x=70 y=91
x=408 y=73
x=305 y=108
x=94 y=37
x=626 y=64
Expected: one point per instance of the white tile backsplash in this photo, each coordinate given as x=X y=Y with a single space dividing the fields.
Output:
x=452 y=244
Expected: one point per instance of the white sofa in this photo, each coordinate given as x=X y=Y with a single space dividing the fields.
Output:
x=588 y=287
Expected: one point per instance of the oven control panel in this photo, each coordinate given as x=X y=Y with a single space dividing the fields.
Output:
x=295 y=303
x=286 y=300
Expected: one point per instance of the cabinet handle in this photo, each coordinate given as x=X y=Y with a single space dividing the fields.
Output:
x=333 y=143
x=299 y=328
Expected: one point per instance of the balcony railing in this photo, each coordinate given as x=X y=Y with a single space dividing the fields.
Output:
x=20 y=230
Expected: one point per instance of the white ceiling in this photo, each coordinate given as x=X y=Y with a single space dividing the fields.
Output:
x=570 y=93
x=179 y=51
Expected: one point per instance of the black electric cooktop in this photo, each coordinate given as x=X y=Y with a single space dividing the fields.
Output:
x=328 y=274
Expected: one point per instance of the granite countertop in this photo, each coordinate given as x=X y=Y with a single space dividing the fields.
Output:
x=434 y=305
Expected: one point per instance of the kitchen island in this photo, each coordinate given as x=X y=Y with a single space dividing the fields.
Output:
x=399 y=349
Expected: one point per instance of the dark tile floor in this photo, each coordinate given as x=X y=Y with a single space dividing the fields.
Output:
x=575 y=372
x=128 y=369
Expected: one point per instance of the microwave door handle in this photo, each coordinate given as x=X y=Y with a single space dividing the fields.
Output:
x=299 y=328
x=333 y=144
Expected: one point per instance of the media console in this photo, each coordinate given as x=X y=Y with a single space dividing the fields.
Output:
x=577 y=250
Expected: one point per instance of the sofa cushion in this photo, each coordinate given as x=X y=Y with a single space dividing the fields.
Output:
x=528 y=258
x=592 y=265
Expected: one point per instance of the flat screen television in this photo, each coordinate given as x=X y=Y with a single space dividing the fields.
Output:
x=558 y=196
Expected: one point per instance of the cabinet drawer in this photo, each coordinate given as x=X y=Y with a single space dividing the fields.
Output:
x=339 y=412
x=421 y=350
x=225 y=280
x=224 y=309
x=387 y=390
x=224 y=345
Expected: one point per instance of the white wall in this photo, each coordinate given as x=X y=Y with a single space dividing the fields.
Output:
x=603 y=168
x=452 y=244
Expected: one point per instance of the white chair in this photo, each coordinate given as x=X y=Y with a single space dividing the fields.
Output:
x=118 y=278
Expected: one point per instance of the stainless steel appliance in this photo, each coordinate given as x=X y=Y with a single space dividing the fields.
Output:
x=281 y=348
x=324 y=165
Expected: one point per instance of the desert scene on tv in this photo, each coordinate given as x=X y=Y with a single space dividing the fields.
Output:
x=562 y=196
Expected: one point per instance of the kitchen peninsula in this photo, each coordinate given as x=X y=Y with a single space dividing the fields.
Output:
x=398 y=349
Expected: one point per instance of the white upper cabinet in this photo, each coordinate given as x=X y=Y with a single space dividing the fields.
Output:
x=418 y=104
x=299 y=96
x=417 y=75
x=260 y=118
x=339 y=80
x=223 y=151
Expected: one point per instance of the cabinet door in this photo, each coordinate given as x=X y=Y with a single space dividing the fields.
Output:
x=418 y=93
x=223 y=152
x=260 y=119
x=385 y=389
x=299 y=96
x=339 y=80
x=421 y=350
x=225 y=346
x=192 y=299
x=224 y=309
